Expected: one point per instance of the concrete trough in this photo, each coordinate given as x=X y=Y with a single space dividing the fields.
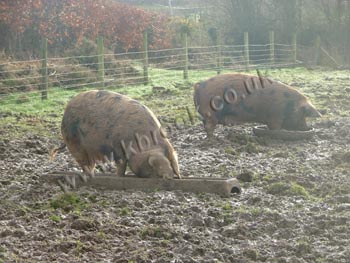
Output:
x=222 y=186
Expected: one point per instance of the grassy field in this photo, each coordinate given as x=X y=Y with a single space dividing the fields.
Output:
x=167 y=94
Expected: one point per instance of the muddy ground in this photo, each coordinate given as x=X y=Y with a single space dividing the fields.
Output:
x=294 y=205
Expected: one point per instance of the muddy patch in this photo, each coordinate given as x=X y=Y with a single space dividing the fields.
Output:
x=294 y=206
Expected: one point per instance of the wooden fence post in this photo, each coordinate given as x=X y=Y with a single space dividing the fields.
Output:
x=101 y=64
x=44 y=72
x=145 y=57
x=272 y=47
x=218 y=53
x=317 y=50
x=185 y=45
x=294 y=43
x=246 y=50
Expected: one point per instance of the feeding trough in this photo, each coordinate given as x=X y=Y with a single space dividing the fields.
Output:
x=263 y=131
x=222 y=186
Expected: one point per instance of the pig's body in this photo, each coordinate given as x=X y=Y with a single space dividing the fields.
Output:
x=98 y=124
x=237 y=98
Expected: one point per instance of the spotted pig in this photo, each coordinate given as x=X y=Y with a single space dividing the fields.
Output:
x=99 y=124
x=237 y=98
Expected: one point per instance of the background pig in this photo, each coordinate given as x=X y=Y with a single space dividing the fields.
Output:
x=99 y=124
x=236 y=98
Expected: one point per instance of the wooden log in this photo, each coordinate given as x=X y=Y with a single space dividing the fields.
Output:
x=222 y=186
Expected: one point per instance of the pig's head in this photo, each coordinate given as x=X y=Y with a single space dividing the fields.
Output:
x=155 y=164
x=296 y=120
x=160 y=165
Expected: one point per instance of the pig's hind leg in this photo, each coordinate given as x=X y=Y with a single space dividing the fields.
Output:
x=88 y=167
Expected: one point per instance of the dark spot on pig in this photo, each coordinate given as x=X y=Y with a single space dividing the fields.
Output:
x=272 y=92
x=106 y=149
x=246 y=86
x=226 y=110
x=245 y=107
x=286 y=94
x=117 y=158
x=233 y=113
x=289 y=109
x=150 y=122
x=166 y=152
x=118 y=97
x=74 y=129
x=226 y=87
x=202 y=84
x=102 y=93
x=139 y=122
x=81 y=132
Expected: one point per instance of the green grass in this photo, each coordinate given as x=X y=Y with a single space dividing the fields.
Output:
x=227 y=207
x=3 y=254
x=58 y=97
x=151 y=232
x=171 y=80
x=55 y=218
x=299 y=190
x=125 y=211
x=27 y=113
x=68 y=202
x=171 y=102
x=292 y=189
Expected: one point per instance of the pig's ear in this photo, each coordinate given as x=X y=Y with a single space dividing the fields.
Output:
x=152 y=160
x=196 y=86
x=310 y=111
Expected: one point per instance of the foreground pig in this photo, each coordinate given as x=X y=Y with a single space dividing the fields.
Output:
x=236 y=98
x=99 y=124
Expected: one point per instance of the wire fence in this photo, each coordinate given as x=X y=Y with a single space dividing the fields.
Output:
x=24 y=79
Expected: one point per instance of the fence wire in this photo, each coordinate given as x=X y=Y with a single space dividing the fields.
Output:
x=20 y=79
